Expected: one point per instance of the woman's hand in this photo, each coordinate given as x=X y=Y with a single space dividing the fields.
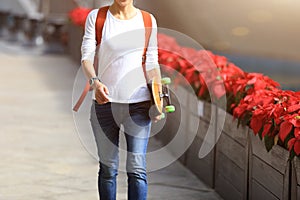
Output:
x=157 y=118
x=101 y=92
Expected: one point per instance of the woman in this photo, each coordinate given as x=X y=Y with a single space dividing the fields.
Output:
x=121 y=94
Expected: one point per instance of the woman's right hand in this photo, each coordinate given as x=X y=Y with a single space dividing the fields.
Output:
x=101 y=92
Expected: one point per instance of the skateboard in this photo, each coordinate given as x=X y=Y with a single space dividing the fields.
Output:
x=158 y=97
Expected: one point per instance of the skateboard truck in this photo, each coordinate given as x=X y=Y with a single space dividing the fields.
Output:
x=165 y=95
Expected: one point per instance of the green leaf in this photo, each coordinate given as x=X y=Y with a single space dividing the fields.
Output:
x=238 y=122
x=247 y=118
x=260 y=133
x=273 y=122
x=269 y=142
x=292 y=154
x=288 y=138
x=248 y=87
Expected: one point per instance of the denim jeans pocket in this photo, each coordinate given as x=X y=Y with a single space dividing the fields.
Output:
x=139 y=113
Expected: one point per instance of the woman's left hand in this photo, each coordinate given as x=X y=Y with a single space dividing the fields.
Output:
x=157 y=118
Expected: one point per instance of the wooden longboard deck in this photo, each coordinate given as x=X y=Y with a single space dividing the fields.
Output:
x=156 y=92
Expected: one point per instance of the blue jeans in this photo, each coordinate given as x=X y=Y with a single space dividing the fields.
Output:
x=106 y=121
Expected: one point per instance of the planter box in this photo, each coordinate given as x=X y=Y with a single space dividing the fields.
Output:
x=268 y=171
x=203 y=168
x=173 y=120
x=232 y=150
x=295 y=179
x=238 y=166
x=174 y=133
x=74 y=42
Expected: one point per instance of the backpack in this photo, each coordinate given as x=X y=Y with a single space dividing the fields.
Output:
x=101 y=17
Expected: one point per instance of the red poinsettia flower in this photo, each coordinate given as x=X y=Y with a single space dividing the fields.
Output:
x=78 y=15
x=258 y=120
x=293 y=119
x=294 y=143
x=285 y=128
x=266 y=131
x=218 y=89
x=167 y=43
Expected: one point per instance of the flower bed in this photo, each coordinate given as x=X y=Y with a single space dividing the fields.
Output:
x=252 y=98
x=241 y=167
x=77 y=18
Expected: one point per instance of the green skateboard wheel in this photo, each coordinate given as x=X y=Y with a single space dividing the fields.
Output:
x=170 y=109
x=165 y=81
x=162 y=116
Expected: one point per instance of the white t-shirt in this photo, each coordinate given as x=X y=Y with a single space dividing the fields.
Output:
x=120 y=55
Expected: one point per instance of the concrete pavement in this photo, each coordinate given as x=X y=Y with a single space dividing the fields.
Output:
x=41 y=155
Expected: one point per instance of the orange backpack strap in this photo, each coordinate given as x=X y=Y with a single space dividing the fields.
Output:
x=148 y=30
x=101 y=17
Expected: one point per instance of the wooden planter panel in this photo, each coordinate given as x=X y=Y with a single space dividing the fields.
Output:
x=261 y=192
x=230 y=127
x=295 y=187
x=268 y=172
x=233 y=151
x=205 y=110
x=226 y=190
x=232 y=159
x=203 y=168
x=267 y=176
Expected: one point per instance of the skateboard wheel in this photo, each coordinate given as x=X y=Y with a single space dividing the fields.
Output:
x=165 y=81
x=162 y=116
x=170 y=109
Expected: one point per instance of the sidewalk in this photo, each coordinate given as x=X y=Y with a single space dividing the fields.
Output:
x=41 y=155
